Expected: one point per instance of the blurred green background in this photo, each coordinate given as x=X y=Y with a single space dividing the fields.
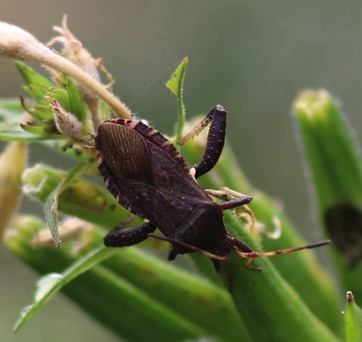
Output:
x=252 y=57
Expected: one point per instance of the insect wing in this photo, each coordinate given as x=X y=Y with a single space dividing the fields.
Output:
x=124 y=152
x=123 y=158
x=145 y=177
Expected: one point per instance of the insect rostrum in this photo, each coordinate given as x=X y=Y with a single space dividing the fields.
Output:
x=150 y=178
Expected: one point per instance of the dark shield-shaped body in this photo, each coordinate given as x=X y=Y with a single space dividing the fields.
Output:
x=147 y=175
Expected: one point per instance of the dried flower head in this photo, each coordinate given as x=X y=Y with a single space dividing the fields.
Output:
x=19 y=44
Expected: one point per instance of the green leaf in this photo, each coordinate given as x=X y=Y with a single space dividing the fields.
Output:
x=266 y=299
x=50 y=284
x=70 y=98
x=37 y=85
x=81 y=198
x=38 y=130
x=330 y=148
x=12 y=114
x=22 y=135
x=76 y=102
x=175 y=84
x=51 y=203
x=119 y=300
x=51 y=213
x=334 y=162
x=131 y=286
x=205 y=304
x=61 y=95
x=352 y=320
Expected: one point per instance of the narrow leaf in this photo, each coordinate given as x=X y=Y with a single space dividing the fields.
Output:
x=334 y=161
x=51 y=213
x=330 y=148
x=51 y=203
x=76 y=102
x=25 y=136
x=39 y=130
x=52 y=283
x=182 y=291
x=352 y=320
x=81 y=198
x=37 y=85
x=175 y=84
x=125 y=290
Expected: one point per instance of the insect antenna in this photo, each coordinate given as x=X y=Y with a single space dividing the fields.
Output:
x=251 y=255
x=191 y=247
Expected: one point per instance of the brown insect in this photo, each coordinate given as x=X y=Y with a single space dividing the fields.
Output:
x=150 y=178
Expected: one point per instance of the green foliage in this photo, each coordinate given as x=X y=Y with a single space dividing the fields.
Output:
x=175 y=84
x=293 y=298
x=352 y=320
x=335 y=166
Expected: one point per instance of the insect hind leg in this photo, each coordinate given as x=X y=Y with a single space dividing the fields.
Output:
x=215 y=139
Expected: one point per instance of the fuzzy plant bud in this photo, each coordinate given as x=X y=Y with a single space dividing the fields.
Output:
x=65 y=122
x=18 y=43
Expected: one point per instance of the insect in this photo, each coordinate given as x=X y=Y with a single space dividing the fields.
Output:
x=149 y=177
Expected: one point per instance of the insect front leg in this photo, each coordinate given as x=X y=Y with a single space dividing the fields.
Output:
x=121 y=237
x=215 y=139
x=232 y=198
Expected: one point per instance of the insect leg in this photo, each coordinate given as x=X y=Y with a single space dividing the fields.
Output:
x=232 y=199
x=234 y=203
x=215 y=139
x=120 y=237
